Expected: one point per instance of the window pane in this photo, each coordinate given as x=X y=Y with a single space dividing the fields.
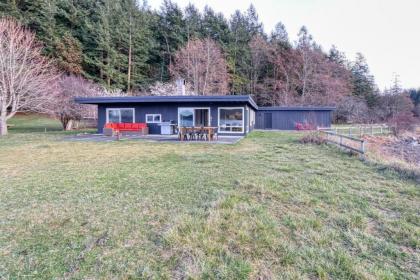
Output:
x=149 y=118
x=186 y=117
x=231 y=120
x=114 y=116
x=127 y=116
x=156 y=118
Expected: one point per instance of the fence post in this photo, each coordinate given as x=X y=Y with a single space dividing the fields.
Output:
x=381 y=129
x=371 y=130
x=350 y=131
x=362 y=146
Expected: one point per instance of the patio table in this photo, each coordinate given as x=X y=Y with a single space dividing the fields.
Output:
x=208 y=129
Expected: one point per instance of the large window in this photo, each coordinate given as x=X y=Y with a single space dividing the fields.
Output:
x=120 y=115
x=231 y=120
x=153 y=118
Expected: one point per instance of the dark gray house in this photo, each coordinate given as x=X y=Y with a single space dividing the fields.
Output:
x=232 y=114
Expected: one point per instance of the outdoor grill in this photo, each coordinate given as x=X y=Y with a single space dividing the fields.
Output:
x=167 y=127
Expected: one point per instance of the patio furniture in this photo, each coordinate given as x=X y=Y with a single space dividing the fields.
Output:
x=108 y=131
x=212 y=133
x=191 y=133
x=182 y=134
x=111 y=128
x=200 y=133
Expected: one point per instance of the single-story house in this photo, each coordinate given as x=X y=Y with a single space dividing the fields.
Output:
x=232 y=114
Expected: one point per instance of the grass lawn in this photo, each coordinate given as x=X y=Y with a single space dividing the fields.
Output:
x=266 y=207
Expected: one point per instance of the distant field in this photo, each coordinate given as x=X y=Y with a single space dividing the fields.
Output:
x=266 y=207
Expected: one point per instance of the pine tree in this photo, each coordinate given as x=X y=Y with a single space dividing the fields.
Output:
x=243 y=28
x=193 y=22
x=280 y=37
x=362 y=81
x=171 y=35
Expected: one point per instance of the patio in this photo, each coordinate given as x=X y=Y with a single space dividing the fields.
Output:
x=87 y=137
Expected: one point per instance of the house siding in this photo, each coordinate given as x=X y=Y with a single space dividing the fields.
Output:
x=169 y=112
x=287 y=119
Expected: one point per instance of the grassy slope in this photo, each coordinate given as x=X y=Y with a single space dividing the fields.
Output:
x=266 y=207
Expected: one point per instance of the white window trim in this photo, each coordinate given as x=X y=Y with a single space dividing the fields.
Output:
x=195 y=108
x=108 y=109
x=153 y=115
x=243 y=120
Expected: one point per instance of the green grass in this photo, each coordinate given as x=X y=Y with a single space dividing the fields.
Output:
x=266 y=207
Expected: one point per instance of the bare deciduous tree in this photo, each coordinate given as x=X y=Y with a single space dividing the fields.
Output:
x=202 y=64
x=66 y=109
x=27 y=79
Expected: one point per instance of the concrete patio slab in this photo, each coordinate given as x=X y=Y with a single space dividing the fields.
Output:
x=86 y=137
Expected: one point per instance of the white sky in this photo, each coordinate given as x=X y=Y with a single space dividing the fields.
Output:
x=387 y=32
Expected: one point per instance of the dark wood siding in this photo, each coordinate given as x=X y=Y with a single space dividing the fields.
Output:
x=169 y=112
x=287 y=119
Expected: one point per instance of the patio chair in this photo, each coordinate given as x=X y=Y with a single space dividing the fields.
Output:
x=191 y=133
x=200 y=133
x=182 y=133
x=214 y=134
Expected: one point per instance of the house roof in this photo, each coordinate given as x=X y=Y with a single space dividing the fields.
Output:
x=297 y=108
x=168 y=99
x=196 y=98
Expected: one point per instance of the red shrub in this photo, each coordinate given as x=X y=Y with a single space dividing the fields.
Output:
x=304 y=126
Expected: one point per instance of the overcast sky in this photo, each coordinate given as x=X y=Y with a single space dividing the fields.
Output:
x=387 y=32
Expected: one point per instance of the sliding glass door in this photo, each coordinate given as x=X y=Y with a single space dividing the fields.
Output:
x=186 y=117
x=193 y=117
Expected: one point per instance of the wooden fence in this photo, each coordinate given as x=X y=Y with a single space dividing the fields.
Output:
x=351 y=143
x=358 y=131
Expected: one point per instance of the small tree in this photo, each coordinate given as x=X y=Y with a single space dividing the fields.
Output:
x=27 y=79
x=66 y=109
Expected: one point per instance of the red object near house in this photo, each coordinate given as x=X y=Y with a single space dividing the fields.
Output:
x=304 y=126
x=126 y=126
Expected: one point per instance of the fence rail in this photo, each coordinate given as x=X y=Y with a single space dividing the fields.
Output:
x=359 y=131
x=345 y=141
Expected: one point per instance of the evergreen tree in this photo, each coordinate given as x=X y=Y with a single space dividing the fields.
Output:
x=362 y=81
x=243 y=28
x=193 y=22
x=216 y=26
x=280 y=37
x=171 y=35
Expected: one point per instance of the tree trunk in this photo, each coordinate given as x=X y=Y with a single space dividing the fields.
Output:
x=69 y=125
x=3 y=126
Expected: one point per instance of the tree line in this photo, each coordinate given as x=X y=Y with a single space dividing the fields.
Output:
x=123 y=45
x=127 y=45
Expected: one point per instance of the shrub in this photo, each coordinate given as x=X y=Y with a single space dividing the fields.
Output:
x=304 y=126
x=404 y=121
x=312 y=138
